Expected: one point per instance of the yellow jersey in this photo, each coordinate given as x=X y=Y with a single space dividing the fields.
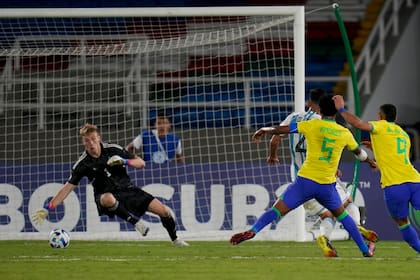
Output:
x=391 y=147
x=325 y=141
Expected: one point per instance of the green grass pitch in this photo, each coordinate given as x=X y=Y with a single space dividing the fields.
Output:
x=203 y=260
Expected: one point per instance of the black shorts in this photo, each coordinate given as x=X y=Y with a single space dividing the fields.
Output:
x=134 y=199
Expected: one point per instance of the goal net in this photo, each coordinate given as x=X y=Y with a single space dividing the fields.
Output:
x=217 y=73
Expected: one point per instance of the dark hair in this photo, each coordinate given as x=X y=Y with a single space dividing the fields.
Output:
x=316 y=94
x=326 y=105
x=161 y=115
x=389 y=111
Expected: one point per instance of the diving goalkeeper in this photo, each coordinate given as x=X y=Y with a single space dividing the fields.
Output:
x=105 y=167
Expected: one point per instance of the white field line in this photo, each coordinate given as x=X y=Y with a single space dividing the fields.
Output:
x=191 y=258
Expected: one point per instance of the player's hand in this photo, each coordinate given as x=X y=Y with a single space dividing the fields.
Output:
x=257 y=136
x=339 y=173
x=338 y=101
x=372 y=164
x=273 y=160
x=367 y=144
x=260 y=133
x=116 y=160
x=39 y=216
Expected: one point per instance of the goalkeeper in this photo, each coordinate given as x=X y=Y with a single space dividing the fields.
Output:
x=297 y=146
x=115 y=195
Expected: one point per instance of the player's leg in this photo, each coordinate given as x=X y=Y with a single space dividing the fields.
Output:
x=272 y=214
x=327 y=223
x=114 y=207
x=397 y=200
x=328 y=196
x=291 y=198
x=353 y=210
x=408 y=233
x=135 y=200
x=168 y=222
x=314 y=208
x=351 y=227
x=326 y=227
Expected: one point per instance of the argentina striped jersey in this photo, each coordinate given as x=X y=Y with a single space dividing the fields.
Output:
x=297 y=143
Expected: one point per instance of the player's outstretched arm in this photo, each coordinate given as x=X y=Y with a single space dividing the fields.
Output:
x=136 y=162
x=350 y=118
x=283 y=129
x=41 y=214
x=272 y=149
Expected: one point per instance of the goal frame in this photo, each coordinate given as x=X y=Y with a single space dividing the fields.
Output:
x=297 y=12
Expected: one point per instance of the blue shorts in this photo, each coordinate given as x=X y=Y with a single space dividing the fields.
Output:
x=398 y=197
x=302 y=190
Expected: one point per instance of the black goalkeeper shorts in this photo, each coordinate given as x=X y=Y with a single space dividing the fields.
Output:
x=134 y=199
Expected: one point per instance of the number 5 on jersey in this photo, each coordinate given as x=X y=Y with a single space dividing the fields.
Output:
x=327 y=150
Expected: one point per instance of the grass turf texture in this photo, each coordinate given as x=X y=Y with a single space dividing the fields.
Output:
x=203 y=260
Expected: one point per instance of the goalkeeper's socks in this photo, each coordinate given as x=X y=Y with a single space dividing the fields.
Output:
x=410 y=236
x=169 y=224
x=121 y=212
x=266 y=218
x=352 y=229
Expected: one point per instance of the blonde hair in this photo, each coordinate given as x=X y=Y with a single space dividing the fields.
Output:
x=87 y=129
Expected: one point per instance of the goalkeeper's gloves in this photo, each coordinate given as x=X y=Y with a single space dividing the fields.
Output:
x=117 y=160
x=41 y=214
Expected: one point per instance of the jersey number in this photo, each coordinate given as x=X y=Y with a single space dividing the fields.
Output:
x=402 y=148
x=327 y=150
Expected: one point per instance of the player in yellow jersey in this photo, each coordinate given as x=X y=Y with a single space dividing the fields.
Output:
x=297 y=147
x=316 y=178
x=399 y=179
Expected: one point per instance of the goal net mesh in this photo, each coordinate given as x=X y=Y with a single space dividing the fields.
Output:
x=218 y=79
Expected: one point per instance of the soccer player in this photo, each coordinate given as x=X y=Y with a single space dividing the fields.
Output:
x=105 y=166
x=297 y=147
x=158 y=145
x=400 y=181
x=316 y=178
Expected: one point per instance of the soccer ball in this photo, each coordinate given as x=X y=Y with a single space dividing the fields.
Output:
x=59 y=238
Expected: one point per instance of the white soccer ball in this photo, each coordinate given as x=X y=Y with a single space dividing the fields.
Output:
x=59 y=238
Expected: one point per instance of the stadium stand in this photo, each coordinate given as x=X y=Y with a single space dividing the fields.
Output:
x=325 y=55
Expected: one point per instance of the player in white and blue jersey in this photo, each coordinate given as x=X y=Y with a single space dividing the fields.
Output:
x=317 y=177
x=297 y=147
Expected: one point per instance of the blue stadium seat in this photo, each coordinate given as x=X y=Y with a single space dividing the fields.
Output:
x=271 y=92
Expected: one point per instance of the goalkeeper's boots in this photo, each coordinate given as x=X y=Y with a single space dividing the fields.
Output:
x=327 y=248
x=180 y=243
x=371 y=250
x=142 y=228
x=242 y=236
x=368 y=234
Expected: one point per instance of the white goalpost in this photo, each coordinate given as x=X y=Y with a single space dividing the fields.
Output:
x=219 y=73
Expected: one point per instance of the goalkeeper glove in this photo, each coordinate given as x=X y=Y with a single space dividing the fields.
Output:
x=41 y=214
x=117 y=160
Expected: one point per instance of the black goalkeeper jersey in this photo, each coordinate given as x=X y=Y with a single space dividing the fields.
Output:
x=103 y=178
